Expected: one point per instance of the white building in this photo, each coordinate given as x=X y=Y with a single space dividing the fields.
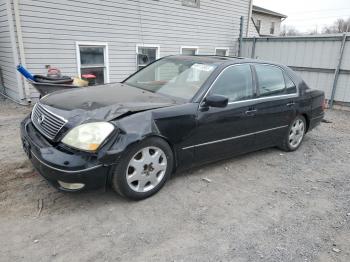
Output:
x=105 y=37
x=265 y=22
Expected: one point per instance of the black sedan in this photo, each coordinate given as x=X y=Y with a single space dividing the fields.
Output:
x=176 y=113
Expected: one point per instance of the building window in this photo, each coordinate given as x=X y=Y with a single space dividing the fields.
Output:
x=189 y=50
x=146 y=54
x=92 y=58
x=258 y=25
x=191 y=3
x=222 y=51
x=272 y=28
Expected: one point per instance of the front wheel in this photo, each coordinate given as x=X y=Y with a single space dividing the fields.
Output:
x=144 y=169
x=295 y=135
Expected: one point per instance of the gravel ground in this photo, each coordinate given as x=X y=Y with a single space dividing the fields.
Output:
x=264 y=206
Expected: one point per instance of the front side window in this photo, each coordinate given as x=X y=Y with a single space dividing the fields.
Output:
x=270 y=80
x=173 y=77
x=235 y=82
x=146 y=55
x=92 y=60
x=189 y=50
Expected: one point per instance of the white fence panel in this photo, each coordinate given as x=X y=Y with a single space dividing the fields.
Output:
x=315 y=58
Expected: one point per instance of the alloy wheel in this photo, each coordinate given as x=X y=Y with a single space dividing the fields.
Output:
x=146 y=169
x=296 y=133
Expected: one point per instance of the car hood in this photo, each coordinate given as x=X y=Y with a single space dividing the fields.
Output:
x=105 y=102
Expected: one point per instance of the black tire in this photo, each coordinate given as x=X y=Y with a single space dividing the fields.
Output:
x=119 y=180
x=286 y=144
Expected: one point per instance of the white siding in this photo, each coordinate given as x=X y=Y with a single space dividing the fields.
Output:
x=8 y=76
x=266 y=21
x=51 y=28
x=252 y=32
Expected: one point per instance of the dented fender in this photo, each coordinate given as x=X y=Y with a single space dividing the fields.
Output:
x=165 y=123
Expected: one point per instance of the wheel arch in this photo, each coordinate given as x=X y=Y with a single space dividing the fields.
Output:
x=154 y=135
x=307 y=119
x=171 y=145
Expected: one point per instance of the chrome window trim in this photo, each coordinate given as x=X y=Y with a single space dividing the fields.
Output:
x=234 y=137
x=60 y=117
x=268 y=98
x=257 y=98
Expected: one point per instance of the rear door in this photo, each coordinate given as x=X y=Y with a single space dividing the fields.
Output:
x=275 y=105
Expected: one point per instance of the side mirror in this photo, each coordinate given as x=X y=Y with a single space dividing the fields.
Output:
x=216 y=101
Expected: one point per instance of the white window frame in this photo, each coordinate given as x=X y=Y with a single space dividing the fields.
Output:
x=189 y=47
x=147 y=45
x=227 y=50
x=189 y=3
x=105 y=57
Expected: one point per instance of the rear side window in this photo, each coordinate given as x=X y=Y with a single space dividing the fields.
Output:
x=235 y=82
x=270 y=80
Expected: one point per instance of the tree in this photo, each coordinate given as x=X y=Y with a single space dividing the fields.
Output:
x=339 y=26
x=289 y=31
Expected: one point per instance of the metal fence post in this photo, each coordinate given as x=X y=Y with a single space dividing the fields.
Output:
x=253 y=48
x=240 y=37
x=337 y=70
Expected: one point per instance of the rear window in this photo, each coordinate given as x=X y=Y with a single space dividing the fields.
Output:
x=290 y=86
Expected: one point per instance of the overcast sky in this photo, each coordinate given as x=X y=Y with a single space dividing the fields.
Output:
x=306 y=15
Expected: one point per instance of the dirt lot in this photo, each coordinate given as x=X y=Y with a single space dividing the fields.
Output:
x=264 y=206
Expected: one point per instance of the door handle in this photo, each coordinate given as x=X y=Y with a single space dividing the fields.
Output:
x=290 y=104
x=251 y=112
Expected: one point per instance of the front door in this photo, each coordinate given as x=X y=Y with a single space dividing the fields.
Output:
x=222 y=132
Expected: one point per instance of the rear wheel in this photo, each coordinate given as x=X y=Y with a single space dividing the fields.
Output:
x=295 y=135
x=144 y=169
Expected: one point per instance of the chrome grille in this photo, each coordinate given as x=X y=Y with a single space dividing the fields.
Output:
x=48 y=123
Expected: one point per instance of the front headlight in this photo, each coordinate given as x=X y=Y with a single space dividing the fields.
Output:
x=88 y=136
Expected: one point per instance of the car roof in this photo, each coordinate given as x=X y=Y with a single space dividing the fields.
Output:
x=220 y=59
x=205 y=58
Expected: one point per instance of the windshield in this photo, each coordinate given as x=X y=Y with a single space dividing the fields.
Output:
x=174 y=77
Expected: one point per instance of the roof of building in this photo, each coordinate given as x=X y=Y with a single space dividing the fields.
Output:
x=261 y=10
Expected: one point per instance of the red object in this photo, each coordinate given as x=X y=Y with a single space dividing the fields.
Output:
x=53 y=71
x=88 y=76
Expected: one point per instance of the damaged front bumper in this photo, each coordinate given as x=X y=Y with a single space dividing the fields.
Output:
x=64 y=169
